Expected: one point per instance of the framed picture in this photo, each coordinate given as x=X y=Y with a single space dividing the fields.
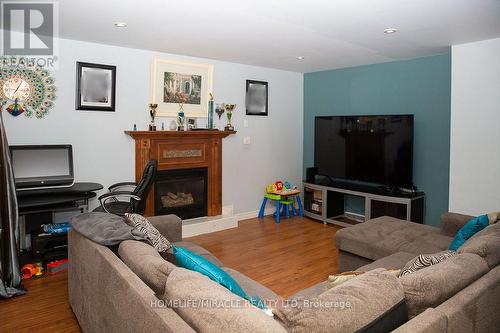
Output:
x=95 y=87
x=256 y=98
x=191 y=123
x=175 y=83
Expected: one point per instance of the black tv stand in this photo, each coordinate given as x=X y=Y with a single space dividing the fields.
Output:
x=393 y=191
x=327 y=203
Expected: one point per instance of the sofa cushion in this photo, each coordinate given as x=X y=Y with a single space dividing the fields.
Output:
x=396 y=260
x=425 y=260
x=192 y=261
x=311 y=292
x=382 y=236
x=468 y=230
x=337 y=279
x=146 y=263
x=153 y=236
x=475 y=308
x=431 y=286
x=345 y=308
x=199 y=251
x=169 y=226
x=210 y=308
x=485 y=244
x=429 y=321
x=253 y=288
x=452 y=222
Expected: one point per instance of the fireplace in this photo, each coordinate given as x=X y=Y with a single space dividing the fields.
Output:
x=177 y=152
x=182 y=192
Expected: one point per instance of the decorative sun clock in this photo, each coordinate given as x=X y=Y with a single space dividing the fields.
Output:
x=26 y=88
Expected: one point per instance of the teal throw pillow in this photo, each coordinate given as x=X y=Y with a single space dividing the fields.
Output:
x=189 y=260
x=468 y=230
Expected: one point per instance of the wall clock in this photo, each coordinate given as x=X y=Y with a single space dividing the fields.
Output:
x=25 y=88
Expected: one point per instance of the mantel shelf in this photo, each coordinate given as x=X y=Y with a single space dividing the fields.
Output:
x=166 y=134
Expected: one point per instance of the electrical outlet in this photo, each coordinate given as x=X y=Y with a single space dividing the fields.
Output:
x=245 y=123
x=247 y=140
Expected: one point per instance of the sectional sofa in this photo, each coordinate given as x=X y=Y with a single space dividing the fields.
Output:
x=122 y=290
x=464 y=291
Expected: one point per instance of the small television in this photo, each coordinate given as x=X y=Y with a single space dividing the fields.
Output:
x=373 y=149
x=37 y=166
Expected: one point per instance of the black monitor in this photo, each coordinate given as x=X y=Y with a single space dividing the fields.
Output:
x=37 y=166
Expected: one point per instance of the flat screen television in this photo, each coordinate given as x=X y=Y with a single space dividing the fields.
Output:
x=37 y=166
x=373 y=149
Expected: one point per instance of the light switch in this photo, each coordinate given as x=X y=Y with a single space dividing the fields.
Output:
x=247 y=140
x=245 y=123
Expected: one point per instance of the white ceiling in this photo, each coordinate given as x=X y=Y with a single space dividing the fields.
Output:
x=328 y=33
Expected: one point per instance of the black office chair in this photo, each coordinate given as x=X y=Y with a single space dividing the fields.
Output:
x=136 y=194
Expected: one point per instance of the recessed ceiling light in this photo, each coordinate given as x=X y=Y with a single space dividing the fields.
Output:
x=300 y=58
x=120 y=24
x=390 y=31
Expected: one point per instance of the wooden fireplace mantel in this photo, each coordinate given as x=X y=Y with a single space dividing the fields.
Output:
x=181 y=150
x=175 y=134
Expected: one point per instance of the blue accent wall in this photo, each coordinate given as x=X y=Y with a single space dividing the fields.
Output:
x=421 y=87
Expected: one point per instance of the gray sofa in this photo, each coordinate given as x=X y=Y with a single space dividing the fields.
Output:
x=466 y=293
x=118 y=290
x=364 y=243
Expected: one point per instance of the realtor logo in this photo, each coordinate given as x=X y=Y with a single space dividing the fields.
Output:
x=29 y=28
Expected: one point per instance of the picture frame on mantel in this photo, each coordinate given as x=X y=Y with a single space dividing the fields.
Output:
x=95 y=87
x=176 y=82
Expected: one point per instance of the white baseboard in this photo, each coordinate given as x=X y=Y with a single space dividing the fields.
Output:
x=254 y=214
x=228 y=210
x=206 y=225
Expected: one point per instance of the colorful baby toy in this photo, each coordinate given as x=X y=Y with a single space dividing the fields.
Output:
x=30 y=270
x=284 y=194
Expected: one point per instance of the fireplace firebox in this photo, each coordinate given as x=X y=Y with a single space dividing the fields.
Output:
x=182 y=192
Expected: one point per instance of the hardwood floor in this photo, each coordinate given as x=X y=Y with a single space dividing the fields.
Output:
x=45 y=308
x=285 y=257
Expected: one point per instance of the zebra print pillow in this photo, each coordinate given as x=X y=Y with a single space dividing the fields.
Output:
x=425 y=260
x=154 y=237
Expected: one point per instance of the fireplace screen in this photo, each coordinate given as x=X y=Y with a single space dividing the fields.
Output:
x=182 y=192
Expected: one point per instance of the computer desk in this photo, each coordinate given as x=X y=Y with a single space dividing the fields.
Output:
x=37 y=207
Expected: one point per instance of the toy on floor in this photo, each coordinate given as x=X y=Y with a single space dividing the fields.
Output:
x=30 y=270
x=57 y=266
x=284 y=194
